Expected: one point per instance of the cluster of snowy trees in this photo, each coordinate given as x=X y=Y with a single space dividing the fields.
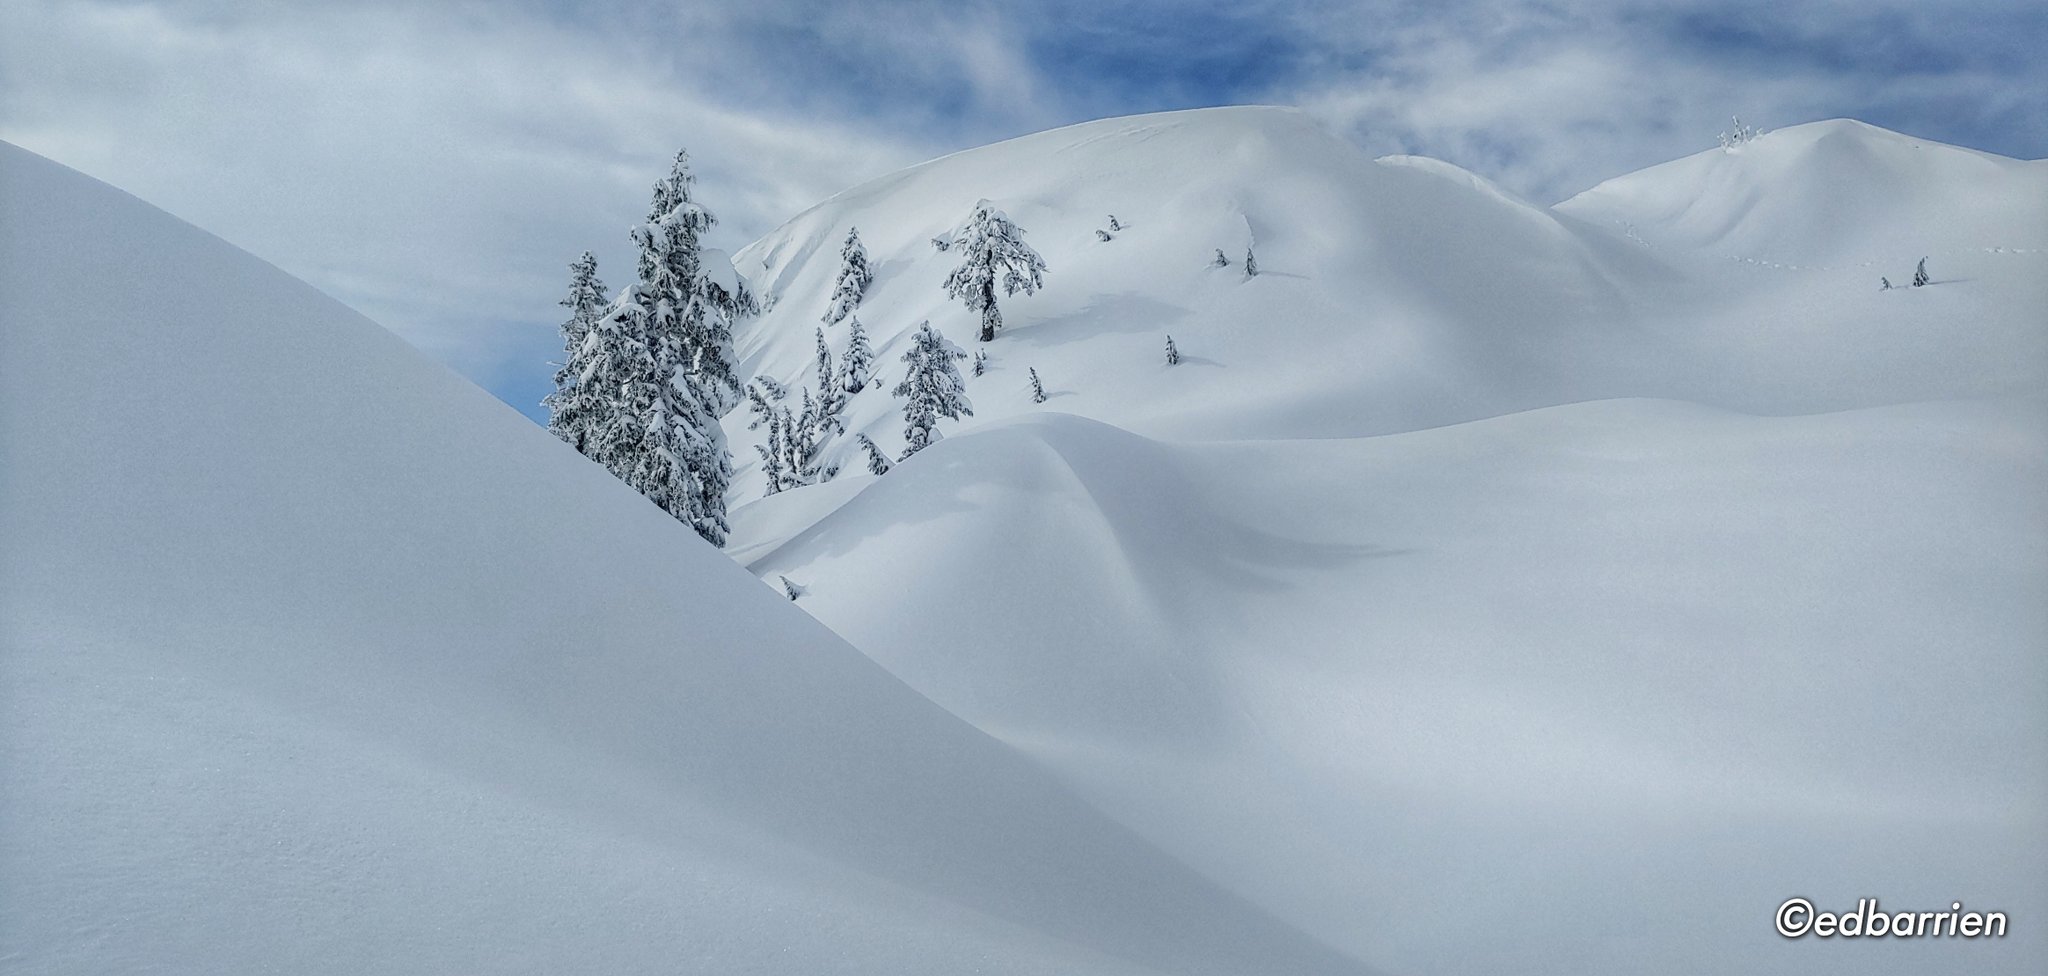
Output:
x=793 y=453
x=1737 y=134
x=647 y=375
x=993 y=257
x=794 y=450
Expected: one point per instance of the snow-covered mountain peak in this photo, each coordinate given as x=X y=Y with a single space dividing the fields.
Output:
x=1836 y=192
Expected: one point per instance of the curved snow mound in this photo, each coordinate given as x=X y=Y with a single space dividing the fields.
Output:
x=317 y=659
x=1832 y=192
x=1504 y=668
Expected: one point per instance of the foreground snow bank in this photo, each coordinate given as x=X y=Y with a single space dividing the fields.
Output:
x=317 y=659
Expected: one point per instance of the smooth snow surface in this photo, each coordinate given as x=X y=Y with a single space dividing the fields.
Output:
x=1492 y=588
x=318 y=660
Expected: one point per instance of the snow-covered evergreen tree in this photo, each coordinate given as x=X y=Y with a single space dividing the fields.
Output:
x=1222 y=259
x=666 y=440
x=569 y=417
x=1172 y=353
x=691 y=301
x=854 y=278
x=878 y=463
x=831 y=389
x=774 y=451
x=805 y=441
x=1884 y=283
x=1920 y=274
x=980 y=361
x=647 y=424
x=762 y=396
x=790 y=588
x=1037 y=388
x=1102 y=235
x=931 y=388
x=857 y=363
x=1114 y=224
x=1251 y=264
x=994 y=252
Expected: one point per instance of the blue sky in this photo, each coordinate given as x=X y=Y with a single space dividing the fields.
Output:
x=437 y=165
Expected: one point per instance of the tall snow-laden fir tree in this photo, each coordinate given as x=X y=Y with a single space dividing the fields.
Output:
x=854 y=278
x=994 y=251
x=1037 y=388
x=1172 y=353
x=701 y=297
x=569 y=416
x=857 y=363
x=1251 y=264
x=647 y=424
x=831 y=389
x=669 y=444
x=931 y=388
x=1920 y=274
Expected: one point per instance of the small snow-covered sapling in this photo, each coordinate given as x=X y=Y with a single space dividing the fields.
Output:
x=1172 y=354
x=1037 y=389
x=878 y=463
x=1920 y=274
x=1222 y=260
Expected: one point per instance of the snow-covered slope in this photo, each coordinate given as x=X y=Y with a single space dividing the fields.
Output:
x=1676 y=581
x=1835 y=193
x=1403 y=293
x=314 y=658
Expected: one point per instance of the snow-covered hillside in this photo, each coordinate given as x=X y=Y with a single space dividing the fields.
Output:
x=1404 y=293
x=1492 y=588
x=314 y=658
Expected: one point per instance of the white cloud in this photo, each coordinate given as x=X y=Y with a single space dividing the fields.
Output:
x=1549 y=98
x=437 y=170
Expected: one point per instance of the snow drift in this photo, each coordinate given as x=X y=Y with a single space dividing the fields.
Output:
x=317 y=659
x=1685 y=570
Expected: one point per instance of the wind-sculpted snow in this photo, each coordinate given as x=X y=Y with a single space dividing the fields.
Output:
x=1403 y=294
x=1491 y=588
x=317 y=659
